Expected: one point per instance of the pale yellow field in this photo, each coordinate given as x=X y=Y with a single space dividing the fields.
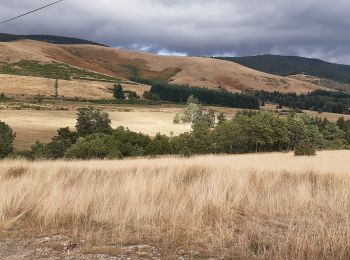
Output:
x=267 y=206
x=31 y=125
x=28 y=87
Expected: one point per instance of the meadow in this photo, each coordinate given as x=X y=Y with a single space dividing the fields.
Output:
x=259 y=205
x=32 y=125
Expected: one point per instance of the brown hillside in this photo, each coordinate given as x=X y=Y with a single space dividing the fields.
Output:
x=325 y=83
x=195 y=71
x=24 y=87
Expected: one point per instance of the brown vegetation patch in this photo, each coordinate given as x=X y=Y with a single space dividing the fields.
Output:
x=218 y=206
x=16 y=172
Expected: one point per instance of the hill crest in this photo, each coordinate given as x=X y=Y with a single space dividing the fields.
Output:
x=125 y=64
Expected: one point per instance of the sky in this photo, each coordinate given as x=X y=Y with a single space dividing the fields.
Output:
x=309 y=28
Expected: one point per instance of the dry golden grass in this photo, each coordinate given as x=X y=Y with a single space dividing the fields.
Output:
x=32 y=125
x=267 y=205
x=29 y=87
x=204 y=72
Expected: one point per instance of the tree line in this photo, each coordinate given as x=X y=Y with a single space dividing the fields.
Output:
x=289 y=65
x=246 y=132
x=180 y=94
x=318 y=100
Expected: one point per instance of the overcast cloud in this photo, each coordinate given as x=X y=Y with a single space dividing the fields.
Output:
x=312 y=28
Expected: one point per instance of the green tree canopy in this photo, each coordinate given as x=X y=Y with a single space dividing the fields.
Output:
x=92 y=121
x=7 y=136
x=118 y=92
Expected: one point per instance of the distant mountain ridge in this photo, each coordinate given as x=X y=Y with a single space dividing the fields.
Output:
x=4 y=37
x=292 y=65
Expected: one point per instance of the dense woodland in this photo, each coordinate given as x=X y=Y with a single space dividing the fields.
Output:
x=180 y=93
x=319 y=100
x=247 y=132
x=291 y=65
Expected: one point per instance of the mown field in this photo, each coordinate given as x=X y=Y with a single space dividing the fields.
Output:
x=32 y=125
x=267 y=206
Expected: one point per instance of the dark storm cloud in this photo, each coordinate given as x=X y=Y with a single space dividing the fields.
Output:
x=313 y=28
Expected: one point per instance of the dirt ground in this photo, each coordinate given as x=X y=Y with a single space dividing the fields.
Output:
x=64 y=247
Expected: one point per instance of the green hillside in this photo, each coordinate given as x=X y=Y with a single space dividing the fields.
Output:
x=291 y=65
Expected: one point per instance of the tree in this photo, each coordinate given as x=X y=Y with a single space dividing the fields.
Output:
x=207 y=118
x=211 y=118
x=177 y=119
x=7 y=136
x=131 y=143
x=300 y=129
x=118 y=92
x=160 y=145
x=192 y=100
x=96 y=146
x=66 y=136
x=331 y=131
x=38 y=150
x=201 y=141
x=227 y=137
x=92 y=121
x=221 y=118
x=192 y=112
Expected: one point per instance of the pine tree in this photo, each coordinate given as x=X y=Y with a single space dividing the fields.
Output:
x=118 y=92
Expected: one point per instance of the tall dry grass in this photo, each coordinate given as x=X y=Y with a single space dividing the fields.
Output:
x=269 y=205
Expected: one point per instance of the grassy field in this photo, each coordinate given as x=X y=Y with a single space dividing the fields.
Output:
x=24 y=87
x=240 y=206
x=31 y=125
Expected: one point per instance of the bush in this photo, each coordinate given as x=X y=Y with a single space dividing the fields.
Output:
x=305 y=148
x=177 y=119
x=95 y=146
x=160 y=145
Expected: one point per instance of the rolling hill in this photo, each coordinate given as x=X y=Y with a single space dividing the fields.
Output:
x=4 y=37
x=292 y=65
x=100 y=63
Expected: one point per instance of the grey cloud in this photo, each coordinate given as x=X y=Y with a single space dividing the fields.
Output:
x=313 y=28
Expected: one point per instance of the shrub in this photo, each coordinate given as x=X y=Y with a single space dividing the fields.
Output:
x=95 y=146
x=177 y=119
x=305 y=148
x=7 y=136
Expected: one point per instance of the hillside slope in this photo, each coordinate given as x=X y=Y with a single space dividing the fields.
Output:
x=326 y=83
x=196 y=71
x=291 y=65
x=4 y=37
x=21 y=87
